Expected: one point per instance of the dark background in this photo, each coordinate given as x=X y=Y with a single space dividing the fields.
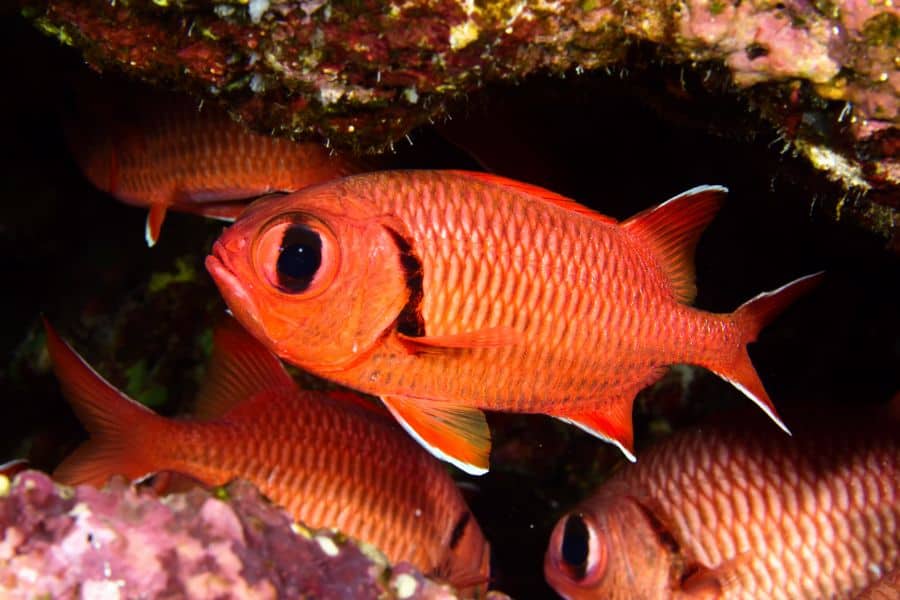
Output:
x=615 y=141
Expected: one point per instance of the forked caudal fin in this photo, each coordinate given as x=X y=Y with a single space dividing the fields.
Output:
x=750 y=318
x=117 y=423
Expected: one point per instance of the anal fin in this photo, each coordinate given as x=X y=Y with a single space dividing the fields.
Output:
x=454 y=433
x=155 y=219
x=612 y=424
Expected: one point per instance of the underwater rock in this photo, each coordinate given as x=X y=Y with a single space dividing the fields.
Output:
x=363 y=74
x=123 y=542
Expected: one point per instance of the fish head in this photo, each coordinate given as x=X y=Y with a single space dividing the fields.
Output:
x=609 y=547
x=315 y=275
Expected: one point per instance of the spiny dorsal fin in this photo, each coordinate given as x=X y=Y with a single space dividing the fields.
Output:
x=239 y=369
x=672 y=230
x=538 y=192
x=454 y=433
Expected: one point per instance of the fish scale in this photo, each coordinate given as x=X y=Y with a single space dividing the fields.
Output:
x=331 y=464
x=163 y=151
x=868 y=520
x=449 y=293
x=748 y=515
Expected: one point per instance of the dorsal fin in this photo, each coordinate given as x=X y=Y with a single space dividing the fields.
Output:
x=239 y=369
x=537 y=191
x=672 y=230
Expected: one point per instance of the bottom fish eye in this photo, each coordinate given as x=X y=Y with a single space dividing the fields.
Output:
x=299 y=258
x=575 y=546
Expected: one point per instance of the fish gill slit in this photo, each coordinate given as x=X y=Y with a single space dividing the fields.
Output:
x=662 y=532
x=410 y=321
x=459 y=529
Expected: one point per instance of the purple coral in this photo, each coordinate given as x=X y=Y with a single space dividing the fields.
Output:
x=122 y=542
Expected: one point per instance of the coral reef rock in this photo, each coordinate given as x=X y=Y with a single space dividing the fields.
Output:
x=365 y=73
x=63 y=542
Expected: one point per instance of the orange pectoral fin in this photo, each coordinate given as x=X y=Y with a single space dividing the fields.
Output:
x=493 y=337
x=709 y=583
x=456 y=434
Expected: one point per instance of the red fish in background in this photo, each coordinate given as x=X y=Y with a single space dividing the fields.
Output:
x=330 y=461
x=163 y=151
x=445 y=293
x=731 y=511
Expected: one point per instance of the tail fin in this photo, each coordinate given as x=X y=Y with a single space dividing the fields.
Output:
x=117 y=423
x=751 y=317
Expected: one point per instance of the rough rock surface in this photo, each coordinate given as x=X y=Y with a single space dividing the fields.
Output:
x=826 y=72
x=63 y=542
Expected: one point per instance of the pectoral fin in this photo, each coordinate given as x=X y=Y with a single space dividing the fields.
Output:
x=709 y=583
x=493 y=337
x=456 y=434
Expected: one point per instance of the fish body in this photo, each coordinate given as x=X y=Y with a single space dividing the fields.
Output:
x=329 y=461
x=446 y=293
x=164 y=153
x=735 y=512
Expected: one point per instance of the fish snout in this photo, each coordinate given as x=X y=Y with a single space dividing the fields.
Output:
x=223 y=266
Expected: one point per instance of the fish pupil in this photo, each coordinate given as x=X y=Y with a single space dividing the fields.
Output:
x=575 y=546
x=299 y=258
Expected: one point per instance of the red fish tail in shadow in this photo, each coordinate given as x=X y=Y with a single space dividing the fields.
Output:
x=751 y=317
x=120 y=428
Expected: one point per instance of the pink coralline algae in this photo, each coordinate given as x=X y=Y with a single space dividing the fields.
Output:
x=120 y=542
x=363 y=74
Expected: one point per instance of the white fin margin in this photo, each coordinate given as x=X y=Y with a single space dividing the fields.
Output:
x=631 y=457
x=435 y=451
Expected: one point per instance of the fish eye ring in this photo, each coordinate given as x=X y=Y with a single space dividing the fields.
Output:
x=297 y=254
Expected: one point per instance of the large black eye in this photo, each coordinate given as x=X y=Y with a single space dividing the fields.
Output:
x=575 y=546
x=299 y=258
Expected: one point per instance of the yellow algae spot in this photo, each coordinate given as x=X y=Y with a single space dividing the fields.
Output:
x=301 y=530
x=162 y=3
x=4 y=485
x=462 y=35
x=79 y=509
x=327 y=545
x=837 y=167
x=405 y=585
x=833 y=90
x=372 y=553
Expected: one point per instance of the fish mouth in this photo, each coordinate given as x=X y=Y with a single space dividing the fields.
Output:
x=235 y=293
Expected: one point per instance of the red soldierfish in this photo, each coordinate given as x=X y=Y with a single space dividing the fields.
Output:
x=330 y=461
x=735 y=512
x=165 y=152
x=446 y=293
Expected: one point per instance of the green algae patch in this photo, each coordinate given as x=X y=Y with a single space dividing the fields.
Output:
x=882 y=30
x=184 y=272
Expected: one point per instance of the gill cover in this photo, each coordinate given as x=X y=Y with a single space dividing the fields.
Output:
x=325 y=276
